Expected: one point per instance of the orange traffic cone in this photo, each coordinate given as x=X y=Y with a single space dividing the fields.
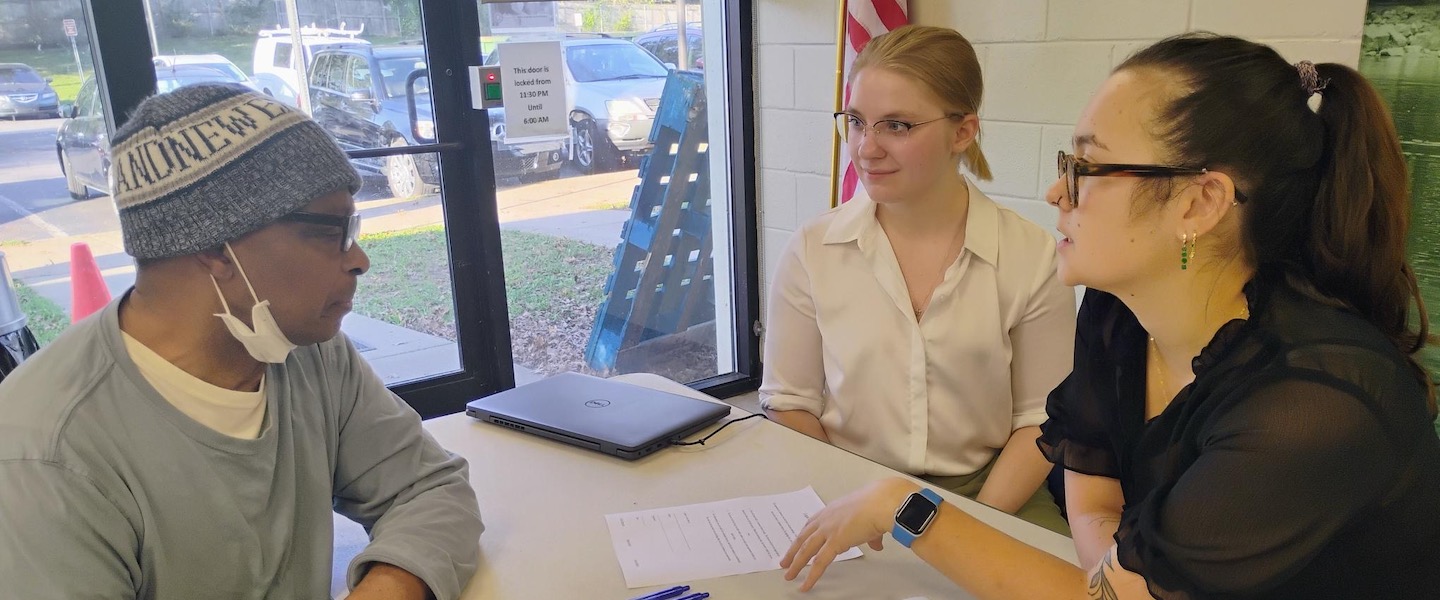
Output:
x=88 y=292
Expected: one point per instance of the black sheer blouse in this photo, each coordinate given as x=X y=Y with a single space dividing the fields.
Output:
x=1301 y=463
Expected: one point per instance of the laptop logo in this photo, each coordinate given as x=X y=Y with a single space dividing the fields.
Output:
x=597 y=403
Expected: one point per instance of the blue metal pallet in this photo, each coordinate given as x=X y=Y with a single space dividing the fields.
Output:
x=663 y=282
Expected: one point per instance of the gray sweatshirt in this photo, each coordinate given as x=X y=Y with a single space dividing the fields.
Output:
x=108 y=491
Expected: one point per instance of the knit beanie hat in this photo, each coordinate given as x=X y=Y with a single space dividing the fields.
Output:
x=208 y=163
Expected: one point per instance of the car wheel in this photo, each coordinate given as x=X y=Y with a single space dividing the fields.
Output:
x=582 y=144
x=402 y=173
x=78 y=191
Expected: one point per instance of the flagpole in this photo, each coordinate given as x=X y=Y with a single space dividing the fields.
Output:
x=840 y=42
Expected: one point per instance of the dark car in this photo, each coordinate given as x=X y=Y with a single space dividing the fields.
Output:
x=664 y=43
x=24 y=93
x=359 y=95
x=83 y=143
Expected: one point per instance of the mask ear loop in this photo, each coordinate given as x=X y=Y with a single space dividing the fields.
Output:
x=243 y=276
x=223 y=303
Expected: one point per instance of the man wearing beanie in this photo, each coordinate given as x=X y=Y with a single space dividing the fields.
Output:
x=192 y=439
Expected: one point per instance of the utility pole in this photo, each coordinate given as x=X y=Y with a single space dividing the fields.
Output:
x=299 y=57
x=681 y=36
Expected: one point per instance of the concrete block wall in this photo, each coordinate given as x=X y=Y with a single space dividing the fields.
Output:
x=1042 y=60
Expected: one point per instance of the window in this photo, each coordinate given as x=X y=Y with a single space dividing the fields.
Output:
x=359 y=79
x=86 y=102
x=416 y=315
x=19 y=75
x=611 y=61
x=396 y=71
x=663 y=293
x=319 y=72
x=282 y=55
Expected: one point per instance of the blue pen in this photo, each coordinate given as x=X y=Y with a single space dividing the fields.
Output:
x=665 y=594
x=699 y=596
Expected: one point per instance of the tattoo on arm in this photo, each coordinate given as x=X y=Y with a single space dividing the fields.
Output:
x=1100 y=587
x=1106 y=522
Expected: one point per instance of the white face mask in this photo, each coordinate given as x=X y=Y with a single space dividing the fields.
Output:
x=266 y=343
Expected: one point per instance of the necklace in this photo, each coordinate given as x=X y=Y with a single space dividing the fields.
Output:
x=1160 y=363
x=944 y=267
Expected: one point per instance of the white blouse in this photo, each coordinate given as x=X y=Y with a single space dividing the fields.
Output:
x=940 y=397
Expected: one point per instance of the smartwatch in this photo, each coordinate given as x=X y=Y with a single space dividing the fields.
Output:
x=915 y=515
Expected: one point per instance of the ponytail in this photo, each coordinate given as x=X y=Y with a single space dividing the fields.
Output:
x=1355 y=250
x=1328 y=190
x=974 y=160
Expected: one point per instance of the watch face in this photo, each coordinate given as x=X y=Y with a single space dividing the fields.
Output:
x=915 y=514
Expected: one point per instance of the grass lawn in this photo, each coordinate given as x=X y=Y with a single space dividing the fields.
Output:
x=409 y=280
x=610 y=205
x=44 y=318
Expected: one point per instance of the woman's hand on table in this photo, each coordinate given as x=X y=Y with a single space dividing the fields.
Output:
x=863 y=516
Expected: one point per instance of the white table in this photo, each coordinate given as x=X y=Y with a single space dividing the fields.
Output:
x=544 y=505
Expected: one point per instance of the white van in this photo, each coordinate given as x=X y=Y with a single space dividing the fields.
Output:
x=277 y=65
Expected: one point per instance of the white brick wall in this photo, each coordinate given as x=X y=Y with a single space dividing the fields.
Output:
x=1042 y=60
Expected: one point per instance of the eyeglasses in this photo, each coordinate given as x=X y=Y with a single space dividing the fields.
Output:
x=889 y=129
x=349 y=225
x=1072 y=169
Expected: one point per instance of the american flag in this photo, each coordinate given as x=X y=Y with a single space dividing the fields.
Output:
x=864 y=19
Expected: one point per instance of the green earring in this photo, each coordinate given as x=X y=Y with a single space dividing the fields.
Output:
x=1185 y=245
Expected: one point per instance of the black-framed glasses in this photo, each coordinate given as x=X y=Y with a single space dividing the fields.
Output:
x=1072 y=169
x=891 y=129
x=349 y=225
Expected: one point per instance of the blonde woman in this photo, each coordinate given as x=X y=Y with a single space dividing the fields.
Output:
x=921 y=325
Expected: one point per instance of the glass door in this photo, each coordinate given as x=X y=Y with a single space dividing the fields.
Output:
x=616 y=220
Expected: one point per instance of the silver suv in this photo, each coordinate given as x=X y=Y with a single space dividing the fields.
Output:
x=613 y=88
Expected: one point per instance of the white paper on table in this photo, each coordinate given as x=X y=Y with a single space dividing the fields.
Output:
x=714 y=539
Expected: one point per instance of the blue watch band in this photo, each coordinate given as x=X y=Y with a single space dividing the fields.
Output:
x=903 y=534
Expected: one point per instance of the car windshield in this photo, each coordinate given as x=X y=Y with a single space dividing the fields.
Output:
x=166 y=81
x=603 y=62
x=396 y=70
x=227 y=68
x=14 y=75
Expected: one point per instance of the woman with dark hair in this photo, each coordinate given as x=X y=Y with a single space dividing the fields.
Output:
x=1246 y=418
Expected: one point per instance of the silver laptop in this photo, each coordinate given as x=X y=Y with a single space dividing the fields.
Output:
x=619 y=419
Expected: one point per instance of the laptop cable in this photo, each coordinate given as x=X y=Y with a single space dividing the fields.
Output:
x=701 y=441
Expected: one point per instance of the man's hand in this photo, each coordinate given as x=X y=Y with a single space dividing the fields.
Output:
x=389 y=582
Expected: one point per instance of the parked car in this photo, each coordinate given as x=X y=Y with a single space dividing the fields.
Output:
x=613 y=88
x=82 y=143
x=664 y=43
x=24 y=93
x=276 y=65
x=529 y=162
x=209 y=61
x=359 y=95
